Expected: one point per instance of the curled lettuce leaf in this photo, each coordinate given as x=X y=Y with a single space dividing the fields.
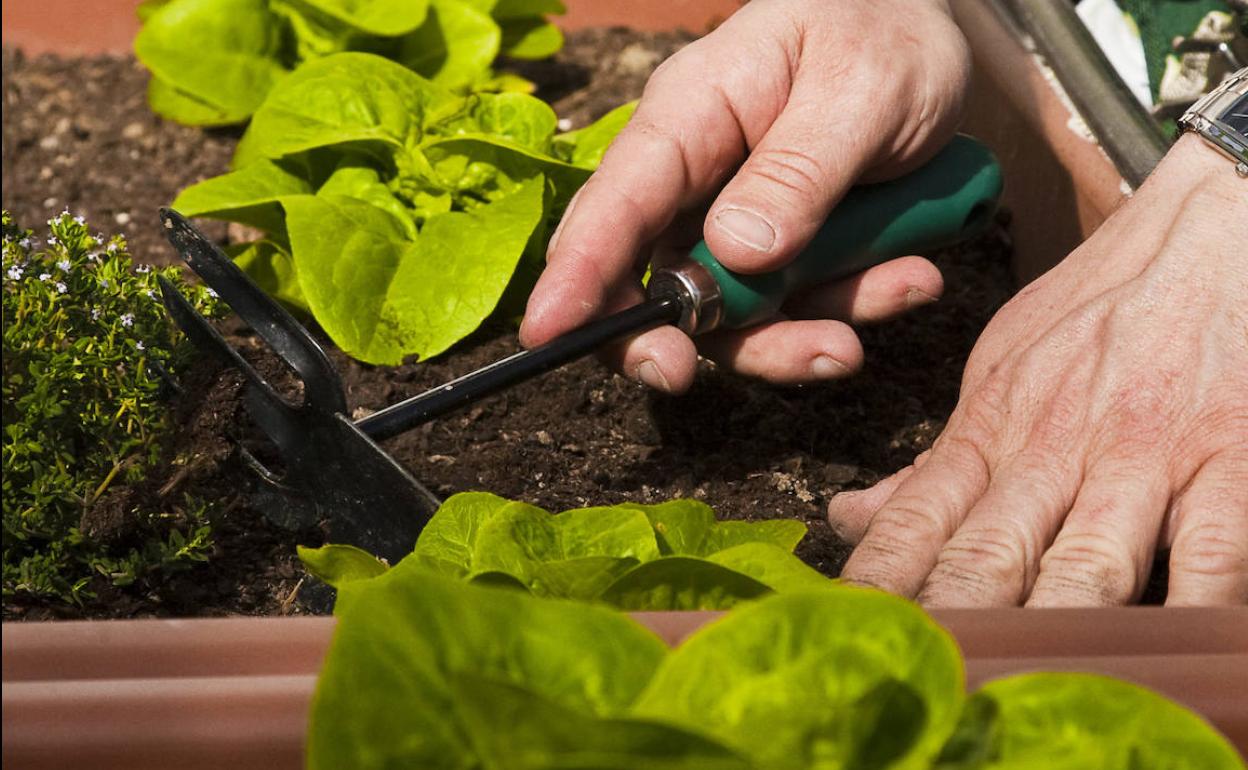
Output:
x=671 y=556
x=213 y=62
x=1081 y=721
x=403 y=212
x=428 y=669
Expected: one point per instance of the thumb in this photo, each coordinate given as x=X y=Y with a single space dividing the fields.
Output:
x=798 y=171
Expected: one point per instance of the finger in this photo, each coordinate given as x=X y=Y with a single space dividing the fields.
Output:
x=791 y=180
x=993 y=558
x=903 y=540
x=665 y=358
x=787 y=352
x=1209 y=557
x=1102 y=555
x=850 y=512
x=876 y=294
x=677 y=148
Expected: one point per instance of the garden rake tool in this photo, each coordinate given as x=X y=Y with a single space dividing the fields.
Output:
x=335 y=471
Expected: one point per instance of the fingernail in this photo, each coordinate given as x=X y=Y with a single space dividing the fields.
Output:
x=827 y=367
x=648 y=373
x=918 y=298
x=747 y=227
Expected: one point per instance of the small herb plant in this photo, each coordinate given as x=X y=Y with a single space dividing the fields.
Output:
x=433 y=672
x=83 y=416
x=397 y=212
x=214 y=61
x=672 y=556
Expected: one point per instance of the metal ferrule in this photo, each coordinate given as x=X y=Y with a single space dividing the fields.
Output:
x=700 y=297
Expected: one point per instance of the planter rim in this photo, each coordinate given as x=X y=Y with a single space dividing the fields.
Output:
x=216 y=691
x=94 y=27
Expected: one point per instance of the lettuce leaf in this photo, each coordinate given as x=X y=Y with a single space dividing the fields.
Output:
x=341 y=564
x=1081 y=721
x=383 y=296
x=213 y=62
x=409 y=670
x=622 y=555
x=428 y=670
x=402 y=212
x=387 y=18
x=838 y=678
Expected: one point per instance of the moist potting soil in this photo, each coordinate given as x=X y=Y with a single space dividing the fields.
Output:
x=78 y=134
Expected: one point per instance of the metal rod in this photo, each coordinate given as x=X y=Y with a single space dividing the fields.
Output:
x=517 y=368
x=1132 y=139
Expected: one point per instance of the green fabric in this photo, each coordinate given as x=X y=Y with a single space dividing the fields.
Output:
x=1160 y=22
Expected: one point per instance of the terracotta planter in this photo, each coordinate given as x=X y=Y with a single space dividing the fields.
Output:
x=234 y=693
x=1052 y=164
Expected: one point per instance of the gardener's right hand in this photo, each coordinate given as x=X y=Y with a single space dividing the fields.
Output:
x=820 y=94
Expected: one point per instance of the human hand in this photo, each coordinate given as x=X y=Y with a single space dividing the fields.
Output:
x=1103 y=415
x=821 y=94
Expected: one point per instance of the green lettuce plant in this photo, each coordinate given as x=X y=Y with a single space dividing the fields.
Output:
x=429 y=671
x=214 y=61
x=84 y=332
x=398 y=213
x=671 y=556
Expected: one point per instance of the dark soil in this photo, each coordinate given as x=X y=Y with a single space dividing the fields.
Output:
x=78 y=134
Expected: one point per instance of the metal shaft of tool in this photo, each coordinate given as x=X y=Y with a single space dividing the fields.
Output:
x=521 y=366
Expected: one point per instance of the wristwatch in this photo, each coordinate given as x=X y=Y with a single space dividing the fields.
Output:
x=1221 y=117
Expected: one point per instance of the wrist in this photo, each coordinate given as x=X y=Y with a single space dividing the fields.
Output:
x=1193 y=163
x=1193 y=183
x=1205 y=219
x=1191 y=213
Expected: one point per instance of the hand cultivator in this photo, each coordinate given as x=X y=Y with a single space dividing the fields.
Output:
x=332 y=466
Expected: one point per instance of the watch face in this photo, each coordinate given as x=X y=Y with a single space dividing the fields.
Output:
x=1237 y=116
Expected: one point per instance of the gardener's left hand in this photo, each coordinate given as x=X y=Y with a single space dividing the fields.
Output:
x=1103 y=416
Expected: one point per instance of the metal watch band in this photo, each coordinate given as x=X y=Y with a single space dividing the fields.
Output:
x=1221 y=117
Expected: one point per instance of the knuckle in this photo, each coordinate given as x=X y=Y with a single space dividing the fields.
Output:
x=981 y=408
x=874 y=565
x=963 y=448
x=904 y=521
x=676 y=68
x=1063 y=415
x=1140 y=411
x=657 y=138
x=1211 y=549
x=1090 y=567
x=994 y=553
x=797 y=174
x=1223 y=422
x=990 y=562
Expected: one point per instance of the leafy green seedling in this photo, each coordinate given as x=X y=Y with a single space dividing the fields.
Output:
x=84 y=332
x=429 y=671
x=1080 y=720
x=214 y=61
x=398 y=213
x=340 y=564
x=674 y=555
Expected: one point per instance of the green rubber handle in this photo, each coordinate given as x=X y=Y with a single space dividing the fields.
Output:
x=951 y=198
